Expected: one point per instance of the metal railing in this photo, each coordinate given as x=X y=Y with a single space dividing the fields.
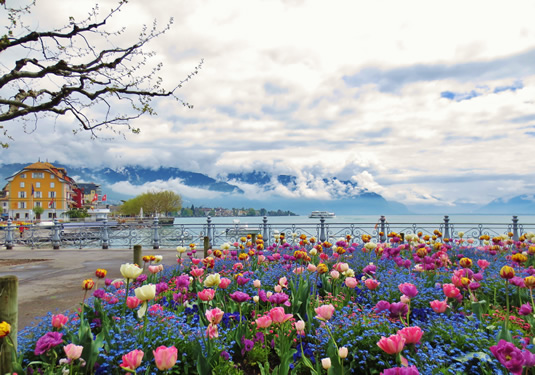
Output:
x=156 y=235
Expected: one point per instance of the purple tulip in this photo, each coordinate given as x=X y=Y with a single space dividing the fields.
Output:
x=525 y=309
x=48 y=341
x=278 y=298
x=509 y=356
x=240 y=297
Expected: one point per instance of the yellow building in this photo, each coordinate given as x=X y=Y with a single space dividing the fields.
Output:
x=39 y=185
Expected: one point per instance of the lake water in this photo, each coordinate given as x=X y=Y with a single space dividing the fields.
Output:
x=368 y=219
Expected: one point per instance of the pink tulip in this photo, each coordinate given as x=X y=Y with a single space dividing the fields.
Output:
x=224 y=283
x=257 y=284
x=412 y=335
x=212 y=331
x=351 y=282
x=372 y=284
x=298 y=270
x=335 y=274
x=197 y=272
x=132 y=360
x=155 y=269
x=283 y=282
x=72 y=351
x=277 y=288
x=264 y=321
x=450 y=290
x=392 y=345
x=439 y=306
x=483 y=263
x=133 y=302
x=278 y=315
x=164 y=357
x=300 y=327
x=324 y=312
x=214 y=316
x=58 y=321
x=408 y=289
x=206 y=294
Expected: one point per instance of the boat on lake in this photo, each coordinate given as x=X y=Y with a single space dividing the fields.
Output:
x=319 y=214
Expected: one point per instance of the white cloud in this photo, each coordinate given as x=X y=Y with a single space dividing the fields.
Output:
x=274 y=95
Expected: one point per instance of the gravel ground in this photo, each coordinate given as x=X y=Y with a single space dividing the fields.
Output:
x=51 y=280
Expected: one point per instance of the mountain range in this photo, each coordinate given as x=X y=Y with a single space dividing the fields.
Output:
x=257 y=189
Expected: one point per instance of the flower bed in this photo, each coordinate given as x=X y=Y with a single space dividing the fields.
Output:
x=414 y=306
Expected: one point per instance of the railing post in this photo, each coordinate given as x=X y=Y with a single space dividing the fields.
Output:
x=209 y=229
x=382 y=238
x=265 y=229
x=9 y=235
x=446 y=226
x=156 y=240
x=105 y=236
x=322 y=229
x=515 y=228
x=55 y=234
x=8 y=313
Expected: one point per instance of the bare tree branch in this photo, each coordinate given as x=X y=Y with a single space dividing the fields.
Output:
x=63 y=73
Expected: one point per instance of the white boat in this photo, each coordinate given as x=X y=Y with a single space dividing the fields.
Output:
x=319 y=214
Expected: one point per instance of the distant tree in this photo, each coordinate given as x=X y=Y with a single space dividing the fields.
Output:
x=263 y=212
x=61 y=71
x=251 y=212
x=186 y=212
x=153 y=203
x=38 y=211
x=77 y=213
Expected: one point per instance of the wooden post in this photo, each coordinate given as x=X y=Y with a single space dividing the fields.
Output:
x=206 y=245
x=8 y=313
x=138 y=258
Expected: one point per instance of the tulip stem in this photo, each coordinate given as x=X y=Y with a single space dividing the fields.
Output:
x=125 y=297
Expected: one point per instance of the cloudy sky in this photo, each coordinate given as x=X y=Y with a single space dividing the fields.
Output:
x=423 y=102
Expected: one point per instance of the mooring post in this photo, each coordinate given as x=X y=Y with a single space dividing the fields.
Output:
x=382 y=237
x=9 y=314
x=156 y=240
x=105 y=235
x=9 y=235
x=515 y=228
x=138 y=258
x=322 y=229
x=265 y=229
x=55 y=235
x=206 y=245
x=446 y=226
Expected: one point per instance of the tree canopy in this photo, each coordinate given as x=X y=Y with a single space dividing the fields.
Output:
x=63 y=72
x=153 y=203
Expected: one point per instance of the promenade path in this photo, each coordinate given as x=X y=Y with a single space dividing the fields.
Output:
x=51 y=280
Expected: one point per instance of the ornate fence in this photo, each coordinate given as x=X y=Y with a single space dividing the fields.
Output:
x=153 y=234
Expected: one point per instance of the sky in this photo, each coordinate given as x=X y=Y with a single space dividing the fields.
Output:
x=423 y=102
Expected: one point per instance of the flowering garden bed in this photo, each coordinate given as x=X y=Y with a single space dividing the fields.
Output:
x=421 y=306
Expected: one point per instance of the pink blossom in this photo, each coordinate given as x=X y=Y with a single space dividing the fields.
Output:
x=300 y=327
x=371 y=284
x=133 y=302
x=278 y=315
x=311 y=267
x=212 y=331
x=324 y=312
x=351 y=282
x=224 y=283
x=197 y=272
x=164 y=357
x=412 y=335
x=214 y=316
x=483 y=263
x=206 y=294
x=264 y=321
x=58 y=321
x=72 y=351
x=132 y=360
x=392 y=345
x=408 y=289
x=439 y=306
x=450 y=290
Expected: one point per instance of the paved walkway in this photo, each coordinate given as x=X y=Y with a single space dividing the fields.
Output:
x=51 y=280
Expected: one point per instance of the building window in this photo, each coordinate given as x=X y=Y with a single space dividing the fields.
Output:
x=37 y=184
x=37 y=204
x=22 y=204
x=51 y=176
x=38 y=194
x=38 y=175
x=22 y=184
x=52 y=184
x=23 y=175
x=22 y=194
x=52 y=194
